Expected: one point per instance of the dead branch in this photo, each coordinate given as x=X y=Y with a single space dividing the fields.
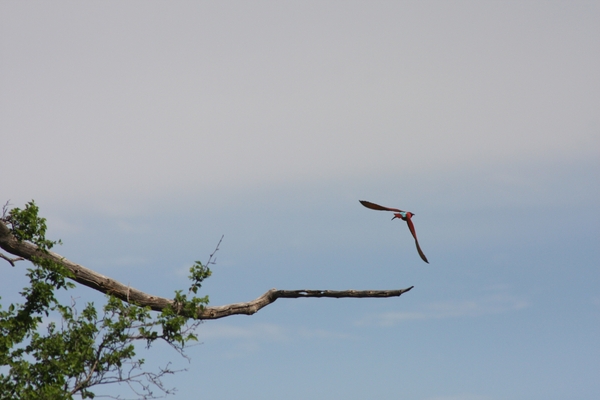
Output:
x=253 y=306
x=12 y=261
x=104 y=284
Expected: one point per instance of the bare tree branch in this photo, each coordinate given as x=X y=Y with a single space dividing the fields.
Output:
x=128 y=294
x=269 y=297
x=11 y=260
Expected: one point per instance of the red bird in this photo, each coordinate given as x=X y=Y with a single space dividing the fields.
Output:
x=403 y=215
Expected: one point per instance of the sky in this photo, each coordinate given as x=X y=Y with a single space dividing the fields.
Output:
x=146 y=130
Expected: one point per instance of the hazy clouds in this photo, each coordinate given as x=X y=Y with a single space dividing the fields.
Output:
x=149 y=97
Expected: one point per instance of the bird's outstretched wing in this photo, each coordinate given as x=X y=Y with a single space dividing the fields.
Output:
x=407 y=218
x=411 y=227
x=374 y=206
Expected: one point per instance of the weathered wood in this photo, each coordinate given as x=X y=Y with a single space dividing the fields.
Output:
x=269 y=297
x=104 y=284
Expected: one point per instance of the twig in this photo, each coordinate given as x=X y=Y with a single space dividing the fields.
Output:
x=214 y=252
x=5 y=210
x=11 y=260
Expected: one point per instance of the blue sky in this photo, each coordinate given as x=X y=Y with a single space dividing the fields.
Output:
x=146 y=130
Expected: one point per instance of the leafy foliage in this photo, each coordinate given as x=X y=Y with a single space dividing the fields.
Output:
x=26 y=225
x=40 y=358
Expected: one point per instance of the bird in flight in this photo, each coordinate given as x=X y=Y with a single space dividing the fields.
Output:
x=403 y=215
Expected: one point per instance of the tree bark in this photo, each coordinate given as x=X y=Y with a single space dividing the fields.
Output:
x=104 y=284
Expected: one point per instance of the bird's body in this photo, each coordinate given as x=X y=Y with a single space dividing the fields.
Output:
x=404 y=216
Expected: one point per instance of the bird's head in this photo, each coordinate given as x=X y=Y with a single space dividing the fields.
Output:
x=402 y=215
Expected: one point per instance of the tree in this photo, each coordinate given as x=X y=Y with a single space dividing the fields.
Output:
x=90 y=348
